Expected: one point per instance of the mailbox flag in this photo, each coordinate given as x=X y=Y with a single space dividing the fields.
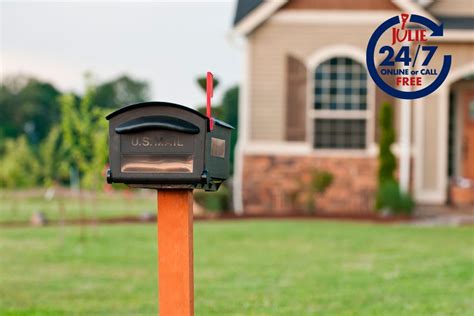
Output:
x=209 y=93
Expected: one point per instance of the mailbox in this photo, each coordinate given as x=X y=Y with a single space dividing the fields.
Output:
x=167 y=146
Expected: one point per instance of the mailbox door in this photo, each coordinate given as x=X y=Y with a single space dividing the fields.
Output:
x=218 y=151
x=157 y=145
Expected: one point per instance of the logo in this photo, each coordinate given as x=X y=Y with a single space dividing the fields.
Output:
x=157 y=141
x=408 y=68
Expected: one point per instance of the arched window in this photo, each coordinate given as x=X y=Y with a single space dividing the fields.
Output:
x=340 y=105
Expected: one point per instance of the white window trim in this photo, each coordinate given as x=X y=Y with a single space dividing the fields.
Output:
x=284 y=148
x=318 y=57
x=338 y=114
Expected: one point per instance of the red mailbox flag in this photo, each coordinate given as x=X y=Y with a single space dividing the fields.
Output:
x=209 y=92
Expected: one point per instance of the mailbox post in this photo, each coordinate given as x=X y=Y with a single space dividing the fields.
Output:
x=174 y=149
x=175 y=252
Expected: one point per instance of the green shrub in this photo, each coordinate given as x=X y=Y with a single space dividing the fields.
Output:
x=20 y=166
x=321 y=180
x=389 y=196
x=393 y=199
x=387 y=160
x=217 y=201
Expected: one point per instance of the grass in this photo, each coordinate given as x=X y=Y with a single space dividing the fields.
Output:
x=243 y=268
x=18 y=206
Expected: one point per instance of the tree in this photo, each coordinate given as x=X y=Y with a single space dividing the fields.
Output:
x=389 y=195
x=20 y=167
x=84 y=137
x=27 y=106
x=387 y=160
x=121 y=91
x=216 y=108
x=62 y=131
x=217 y=111
x=54 y=165
x=230 y=114
x=202 y=82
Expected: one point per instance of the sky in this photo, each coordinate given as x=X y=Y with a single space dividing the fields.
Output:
x=167 y=43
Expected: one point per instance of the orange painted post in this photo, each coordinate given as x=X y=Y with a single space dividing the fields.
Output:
x=175 y=252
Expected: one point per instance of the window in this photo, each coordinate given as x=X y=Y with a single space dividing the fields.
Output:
x=340 y=108
x=333 y=133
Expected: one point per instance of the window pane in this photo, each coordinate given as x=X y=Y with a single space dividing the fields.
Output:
x=340 y=133
x=340 y=84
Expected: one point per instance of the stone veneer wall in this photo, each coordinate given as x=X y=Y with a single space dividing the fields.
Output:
x=276 y=184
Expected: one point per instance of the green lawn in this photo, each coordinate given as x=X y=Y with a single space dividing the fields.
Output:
x=243 y=268
x=18 y=206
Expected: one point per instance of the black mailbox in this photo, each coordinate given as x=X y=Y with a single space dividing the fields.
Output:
x=166 y=146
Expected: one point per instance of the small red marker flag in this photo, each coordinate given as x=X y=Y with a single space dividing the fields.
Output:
x=209 y=92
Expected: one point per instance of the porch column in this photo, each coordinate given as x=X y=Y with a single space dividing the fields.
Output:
x=243 y=130
x=405 y=135
x=405 y=146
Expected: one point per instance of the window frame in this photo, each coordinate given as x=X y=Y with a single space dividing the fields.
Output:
x=321 y=56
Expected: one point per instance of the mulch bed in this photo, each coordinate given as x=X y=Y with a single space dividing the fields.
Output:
x=371 y=218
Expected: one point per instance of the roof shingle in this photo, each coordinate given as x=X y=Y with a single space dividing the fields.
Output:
x=244 y=7
x=457 y=22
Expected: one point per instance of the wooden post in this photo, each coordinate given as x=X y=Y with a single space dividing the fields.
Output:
x=175 y=253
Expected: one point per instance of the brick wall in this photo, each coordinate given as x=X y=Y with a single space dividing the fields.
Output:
x=278 y=184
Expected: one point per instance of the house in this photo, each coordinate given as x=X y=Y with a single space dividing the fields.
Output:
x=308 y=103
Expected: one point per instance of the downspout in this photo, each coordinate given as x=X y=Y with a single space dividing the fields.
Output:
x=242 y=132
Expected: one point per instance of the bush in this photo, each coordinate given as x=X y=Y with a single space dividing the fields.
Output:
x=217 y=201
x=393 y=199
x=321 y=180
x=387 y=160
x=20 y=166
x=389 y=196
x=51 y=156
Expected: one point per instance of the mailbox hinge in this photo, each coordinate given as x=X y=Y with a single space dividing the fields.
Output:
x=109 y=176
x=205 y=176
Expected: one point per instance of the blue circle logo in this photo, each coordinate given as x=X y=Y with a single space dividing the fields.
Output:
x=406 y=61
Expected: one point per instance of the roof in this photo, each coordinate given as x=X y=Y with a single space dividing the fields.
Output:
x=247 y=8
x=457 y=22
x=250 y=14
x=244 y=7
